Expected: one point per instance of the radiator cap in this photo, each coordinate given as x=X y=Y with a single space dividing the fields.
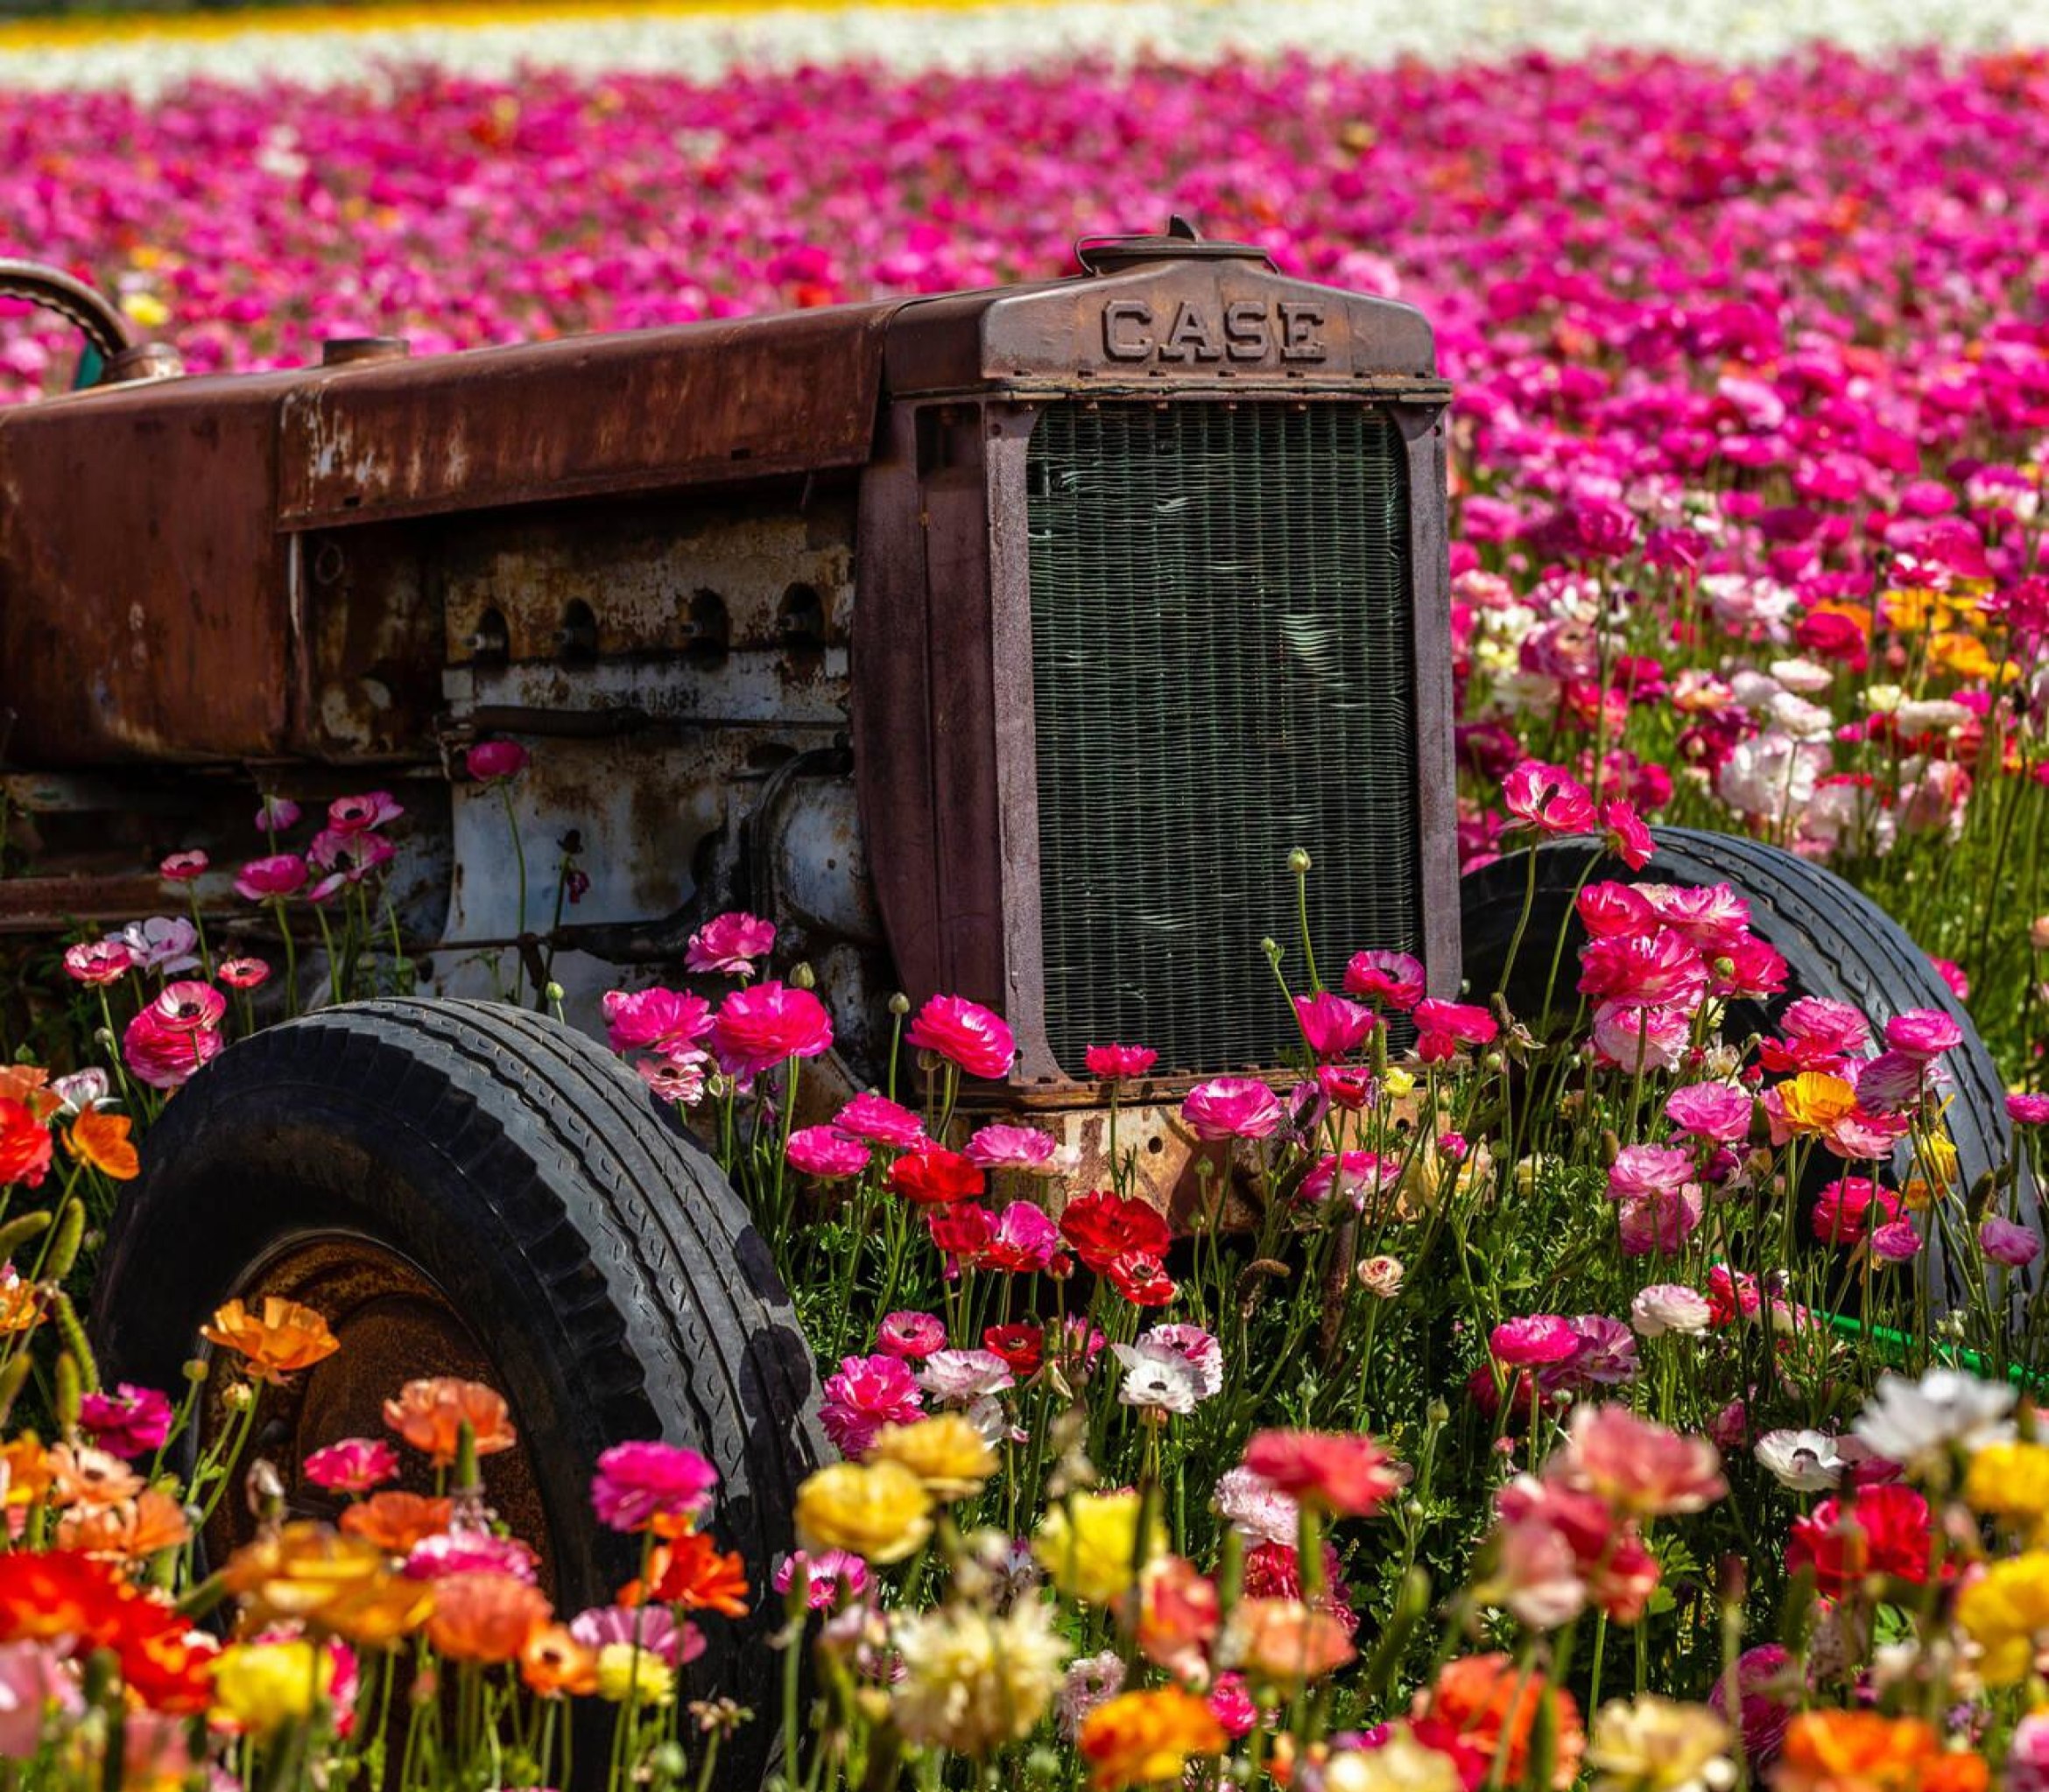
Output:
x=1181 y=242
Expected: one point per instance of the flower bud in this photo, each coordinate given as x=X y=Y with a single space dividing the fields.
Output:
x=238 y=1397
x=899 y=1004
x=555 y=993
x=1299 y=862
x=803 y=977
x=195 y=1369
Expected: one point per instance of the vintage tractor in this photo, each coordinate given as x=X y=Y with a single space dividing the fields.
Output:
x=1001 y=643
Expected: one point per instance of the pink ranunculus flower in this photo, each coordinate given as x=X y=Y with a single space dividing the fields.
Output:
x=675 y=1077
x=1443 y=1027
x=655 y=1019
x=182 y=868
x=1654 y=970
x=831 y=1578
x=912 y=1335
x=129 y=1422
x=1535 y=1339
x=1637 y=1465
x=1024 y=1239
x=358 y=814
x=2028 y=1110
x=1627 y=836
x=729 y=943
x=39 y=1698
x=172 y=1037
x=1896 y=1241
x=353 y=1465
x=965 y=1034
x=276 y=814
x=1660 y=1224
x=1332 y=1026
x=1612 y=911
x=638 y=1483
x=1643 y=1170
x=243 y=973
x=1360 y=1176
x=1392 y=980
x=2027 y=1754
x=759 y=1027
x=1923 y=1033
x=1232 y=1107
x=650 y=1627
x=1711 y=1111
x=881 y=1122
x=827 y=1153
x=1710 y=918
x=1119 y=1063
x=961 y=1377
x=492 y=762
x=1826 y=1026
x=866 y=1394
x=1548 y=798
x=1641 y=1038
x=1019 y=1147
x=471 y=1552
x=1893 y=1082
x=165 y=944
x=2005 y=1242
x=272 y=878
x=99 y=962
x=1845 y=1209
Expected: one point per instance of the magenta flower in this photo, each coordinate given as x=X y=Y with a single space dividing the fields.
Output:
x=276 y=814
x=1443 y=1027
x=1020 y=1147
x=1115 y=1063
x=1711 y=1111
x=913 y=1335
x=172 y=1036
x=638 y=1483
x=1537 y=1339
x=1232 y=1107
x=356 y=814
x=655 y=1019
x=1388 y=979
x=1610 y=910
x=1332 y=1027
x=1923 y=1033
x=1639 y=1171
x=2005 y=1242
x=99 y=961
x=1896 y=1241
x=182 y=868
x=471 y=1552
x=831 y=1578
x=1023 y=1240
x=1658 y=1223
x=1362 y=1174
x=882 y=1121
x=1655 y=970
x=1847 y=1208
x=650 y=1627
x=353 y=1465
x=758 y=1028
x=826 y=1152
x=493 y=762
x=966 y=1034
x=1641 y=1038
x=868 y=1393
x=1548 y=798
x=272 y=878
x=729 y=943
x=243 y=973
x=132 y=1420
x=1710 y=918
x=2028 y=1110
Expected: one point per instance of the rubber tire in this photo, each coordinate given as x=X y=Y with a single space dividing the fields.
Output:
x=609 y=1267
x=1835 y=940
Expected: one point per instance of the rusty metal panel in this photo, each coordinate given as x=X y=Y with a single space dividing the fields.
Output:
x=143 y=600
x=1223 y=321
x=633 y=412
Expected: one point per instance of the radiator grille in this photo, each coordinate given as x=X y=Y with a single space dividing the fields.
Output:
x=1222 y=671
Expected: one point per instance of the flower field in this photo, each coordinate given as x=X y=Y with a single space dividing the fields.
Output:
x=1586 y=1388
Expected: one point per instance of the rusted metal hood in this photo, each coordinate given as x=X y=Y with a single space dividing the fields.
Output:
x=636 y=411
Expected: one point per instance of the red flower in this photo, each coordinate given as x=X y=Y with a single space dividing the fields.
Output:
x=1141 y=1278
x=934 y=1177
x=1879 y=1530
x=1119 y=1063
x=1022 y=1347
x=760 y=1027
x=1345 y=1472
x=1102 y=1225
x=25 y=1144
x=961 y=1229
x=966 y=1034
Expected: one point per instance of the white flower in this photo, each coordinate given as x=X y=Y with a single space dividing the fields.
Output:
x=1383 y=1275
x=1666 y=1306
x=1915 y=1423
x=1196 y=1347
x=1802 y=675
x=1802 y=720
x=1806 y=1461
x=1157 y=1376
x=1934 y=715
x=1090 y=1681
x=1251 y=1503
x=955 y=1377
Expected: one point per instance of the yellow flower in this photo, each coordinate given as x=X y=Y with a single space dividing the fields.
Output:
x=261 y=1685
x=2003 y=1613
x=1813 y=1101
x=624 y=1672
x=879 y=1510
x=946 y=1452
x=1658 y=1744
x=306 y=1573
x=147 y=310
x=2010 y=1480
x=973 y=1682
x=1089 y=1547
x=1396 y=1082
x=1937 y=1156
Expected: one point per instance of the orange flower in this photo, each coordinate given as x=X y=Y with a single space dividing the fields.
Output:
x=82 y=1476
x=430 y=1415
x=396 y=1522
x=59 y=1592
x=131 y=1529
x=553 y=1663
x=21 y=1304
x=286 y=1338
x=691 y=1572
x=1478 y=1700
x=1285 y=1641
x=101 y=1139
x=25 y=1144
x=24 y=1083
x=1865 y=1752
x=25 y=1469
x=485 y=1617
x=1810 y=1103
x=1140 y=1738
x=306 y=1573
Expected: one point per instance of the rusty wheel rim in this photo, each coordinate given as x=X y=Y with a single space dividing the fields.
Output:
x=395 y=1324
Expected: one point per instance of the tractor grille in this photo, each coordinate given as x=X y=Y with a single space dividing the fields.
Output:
x=1222 y=671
